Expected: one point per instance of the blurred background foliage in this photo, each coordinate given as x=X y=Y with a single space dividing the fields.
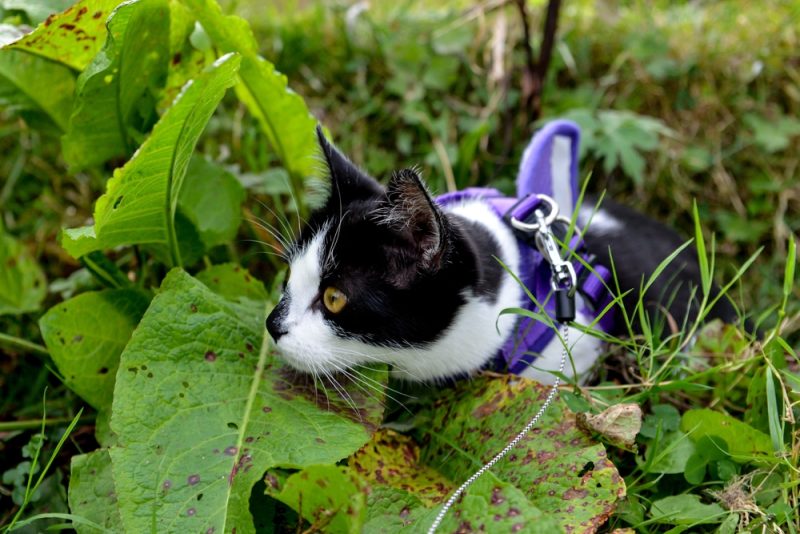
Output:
x=677 y=101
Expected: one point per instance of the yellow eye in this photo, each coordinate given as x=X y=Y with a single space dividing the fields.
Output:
x=334 y=299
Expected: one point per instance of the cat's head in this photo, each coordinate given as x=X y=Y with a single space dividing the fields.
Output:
x=377 y=272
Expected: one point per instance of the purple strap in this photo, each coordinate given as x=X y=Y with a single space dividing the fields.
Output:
x=550 y=164
x=550 y=167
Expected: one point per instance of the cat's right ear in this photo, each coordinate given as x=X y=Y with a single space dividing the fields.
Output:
x=348 y=182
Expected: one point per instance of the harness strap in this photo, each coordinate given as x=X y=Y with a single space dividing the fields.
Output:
x=549 y=167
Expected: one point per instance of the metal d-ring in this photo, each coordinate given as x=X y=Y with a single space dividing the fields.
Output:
x=548 y=220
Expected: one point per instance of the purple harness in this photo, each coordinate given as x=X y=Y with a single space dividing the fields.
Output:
x=549 y=167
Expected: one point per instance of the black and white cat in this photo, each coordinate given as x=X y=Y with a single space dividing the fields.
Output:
x=385 y=274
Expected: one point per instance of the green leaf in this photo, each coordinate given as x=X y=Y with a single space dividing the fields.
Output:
x=91 y=492
x=141 y=199
x=621 y=138
x=772 y=134
x=670 y=453
x=686 y=509
x=200 y=414
x=695 y=470
x=211 y=198
x=22 y=282
x=233 y=282
x=557 y=467
x=117 y=93
x=745 y=443
x=85 y=336
x=331 y=497
x=72 y=37
x=665 y=418
x=390 y=509
x=283 y=115
x=29 y=82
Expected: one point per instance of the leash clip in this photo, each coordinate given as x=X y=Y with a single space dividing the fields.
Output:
x=563 y=281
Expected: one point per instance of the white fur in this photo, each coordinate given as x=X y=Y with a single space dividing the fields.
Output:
x=583 y=351
x=475 y=335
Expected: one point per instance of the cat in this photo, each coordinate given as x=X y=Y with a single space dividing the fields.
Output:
x=390 y=275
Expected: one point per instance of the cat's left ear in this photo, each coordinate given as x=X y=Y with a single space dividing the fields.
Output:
x=348 y=182
x=413 y=210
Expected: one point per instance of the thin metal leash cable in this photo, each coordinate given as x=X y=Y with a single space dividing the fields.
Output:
x=513 y=443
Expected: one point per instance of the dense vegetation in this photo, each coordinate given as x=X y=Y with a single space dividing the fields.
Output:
x=153 y=158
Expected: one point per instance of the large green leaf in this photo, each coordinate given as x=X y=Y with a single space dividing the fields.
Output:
x=72 y=37
x=558 y=468
x=283 y=114
x=140 y=203
x=29 y=82
x=556 y=478
x=91 y=492
x=201 y=413
x=211 y=198
x=22 y=282
x=85 y=336
x=117 y=93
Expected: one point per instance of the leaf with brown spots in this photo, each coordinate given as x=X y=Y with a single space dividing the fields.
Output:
x=405 y=491
x=71 y=37
x=85 y=336
x=191 y=424
x=40 y=90
x=331 y=498
x=392 y=459
x=91 y=492
x=557 y=467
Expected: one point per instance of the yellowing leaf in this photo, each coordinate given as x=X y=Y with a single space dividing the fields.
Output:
x=72 y=37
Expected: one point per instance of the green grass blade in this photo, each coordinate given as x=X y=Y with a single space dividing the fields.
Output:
x=773 y=413
x=705 y=273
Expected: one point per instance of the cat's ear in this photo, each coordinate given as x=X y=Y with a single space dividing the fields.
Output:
x=412 y=208
x=348 y=182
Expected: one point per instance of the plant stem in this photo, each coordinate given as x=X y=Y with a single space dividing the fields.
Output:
x=10 y=426
x=19 y=343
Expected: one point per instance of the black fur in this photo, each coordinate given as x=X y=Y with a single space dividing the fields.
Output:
x=405 y=265
x=636 y=250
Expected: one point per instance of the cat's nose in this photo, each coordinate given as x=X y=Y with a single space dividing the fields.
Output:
x=275 y=325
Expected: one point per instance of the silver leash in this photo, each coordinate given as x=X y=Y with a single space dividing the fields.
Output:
x=513 y=443
x=563 y=275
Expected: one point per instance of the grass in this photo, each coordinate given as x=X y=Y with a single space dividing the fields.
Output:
x=688 y=113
